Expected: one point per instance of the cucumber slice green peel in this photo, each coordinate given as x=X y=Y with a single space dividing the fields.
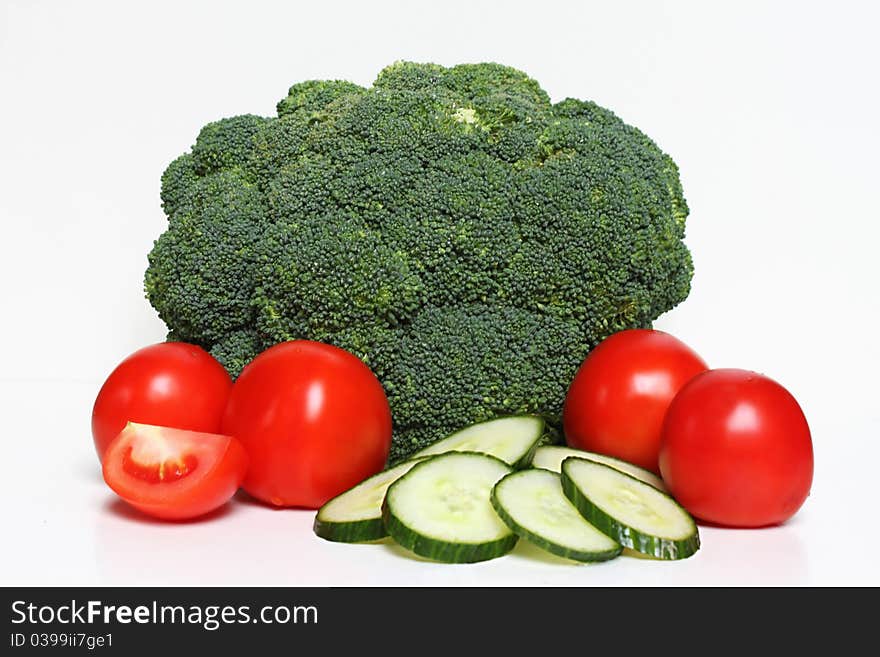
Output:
x=550 y=457
x=441 y=509
x=356 y=515
x=512 y=439
x=532 y=504
x=633 y=513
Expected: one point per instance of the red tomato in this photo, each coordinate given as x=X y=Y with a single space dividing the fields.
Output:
x=171 y=473
x=618 y=398
x=737 y=450
x=171 y=384
x=314 y=420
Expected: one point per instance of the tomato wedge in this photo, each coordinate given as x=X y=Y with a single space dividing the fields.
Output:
x=174 y=474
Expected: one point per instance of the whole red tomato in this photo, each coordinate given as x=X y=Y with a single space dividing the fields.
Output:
x=314 y=421
x=737 y=450
x=171 y=384
x=618 y=398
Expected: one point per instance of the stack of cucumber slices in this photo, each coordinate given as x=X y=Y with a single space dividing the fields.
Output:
x=471 y=496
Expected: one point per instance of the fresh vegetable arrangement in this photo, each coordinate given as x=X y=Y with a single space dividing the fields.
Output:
x=466 y=505
x=391 y=304
x=356 y=515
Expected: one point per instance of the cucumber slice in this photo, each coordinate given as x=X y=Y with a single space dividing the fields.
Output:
x=633 y=513
x=511 y=439
x=440 y=509
x=533 y=505
x=356 y=515
x=550 y=457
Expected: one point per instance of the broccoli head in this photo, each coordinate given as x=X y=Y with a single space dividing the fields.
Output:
x=468 y=239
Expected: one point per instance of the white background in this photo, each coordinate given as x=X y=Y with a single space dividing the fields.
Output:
x=770 y=109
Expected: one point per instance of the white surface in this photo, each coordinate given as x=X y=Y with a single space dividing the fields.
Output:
x=770 y=110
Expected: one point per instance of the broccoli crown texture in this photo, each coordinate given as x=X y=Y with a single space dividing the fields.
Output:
x=468 y=239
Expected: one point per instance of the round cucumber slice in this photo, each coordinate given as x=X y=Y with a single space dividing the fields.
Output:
x=633 y=513
x=441 y=509
x=512 y=439
x=532 y=504
x=550 y=457
x=356 y=515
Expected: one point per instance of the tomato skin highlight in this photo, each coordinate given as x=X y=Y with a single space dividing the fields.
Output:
x=314 y=420
x=213 y=467
x=173 y=384
x=619 y=396
x=737 y=449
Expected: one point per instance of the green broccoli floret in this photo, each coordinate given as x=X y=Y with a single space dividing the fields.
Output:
x=202 y=269
x=468 y=239
x=324 y=274
x=457 y=365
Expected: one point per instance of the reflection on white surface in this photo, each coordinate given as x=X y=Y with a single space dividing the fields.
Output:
x=71 y=530
x=756 y=557
x=243 y=543
x=251 y=544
